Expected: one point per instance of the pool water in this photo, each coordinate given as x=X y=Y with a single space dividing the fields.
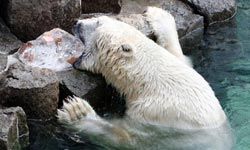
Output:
x=224 y=61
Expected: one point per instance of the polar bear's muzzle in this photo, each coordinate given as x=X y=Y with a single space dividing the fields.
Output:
x=77 y=64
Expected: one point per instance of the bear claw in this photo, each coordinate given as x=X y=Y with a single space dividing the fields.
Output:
x=75 y=109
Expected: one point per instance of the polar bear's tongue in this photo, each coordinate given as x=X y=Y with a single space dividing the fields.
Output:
x=56 y=50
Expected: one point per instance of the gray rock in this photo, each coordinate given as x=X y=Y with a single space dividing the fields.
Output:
x=35 y=90
x=80 y=83
x=3 y=62
x=214 y=10
x=8 y=42
x=186 y=20
x=28 y=19
x=14 y=133
x=101 y=6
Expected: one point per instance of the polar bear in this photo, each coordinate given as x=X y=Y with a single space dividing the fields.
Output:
x=159 y=88
x=156 y=24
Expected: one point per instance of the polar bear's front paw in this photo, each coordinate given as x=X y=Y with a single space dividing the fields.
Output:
x=75 y=109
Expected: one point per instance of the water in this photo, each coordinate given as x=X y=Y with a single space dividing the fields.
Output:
x=224 y=61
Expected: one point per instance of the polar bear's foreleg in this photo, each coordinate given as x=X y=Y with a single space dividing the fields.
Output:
x=78 y=114
x=164 y=28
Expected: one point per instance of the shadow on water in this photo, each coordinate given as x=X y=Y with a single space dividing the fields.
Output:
x=224 y=61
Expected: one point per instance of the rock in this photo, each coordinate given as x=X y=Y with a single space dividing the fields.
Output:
x=8 y=42
x=55 y=50
x=14 y=132
x=101 y=6
x=3 y=62
x=28 y=19
x=105 y=99
x=80 y=83
x=35 y=90
x=214 y=10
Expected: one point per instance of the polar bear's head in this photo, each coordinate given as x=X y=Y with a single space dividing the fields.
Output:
x=109 y=43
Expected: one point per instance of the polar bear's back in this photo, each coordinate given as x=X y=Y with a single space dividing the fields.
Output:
x=174 y=94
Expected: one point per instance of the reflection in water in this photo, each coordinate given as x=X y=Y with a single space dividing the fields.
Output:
x=224 y=61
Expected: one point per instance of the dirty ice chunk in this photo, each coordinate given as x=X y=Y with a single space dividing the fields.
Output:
x=56 y=50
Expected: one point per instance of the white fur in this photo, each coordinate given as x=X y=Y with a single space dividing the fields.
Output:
x=159 y=88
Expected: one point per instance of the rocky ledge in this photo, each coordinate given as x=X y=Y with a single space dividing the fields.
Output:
x=32 y=86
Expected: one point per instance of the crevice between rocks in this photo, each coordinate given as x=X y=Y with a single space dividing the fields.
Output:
x=197 y=12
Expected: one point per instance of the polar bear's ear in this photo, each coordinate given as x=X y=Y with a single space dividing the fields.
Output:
x=127 y=50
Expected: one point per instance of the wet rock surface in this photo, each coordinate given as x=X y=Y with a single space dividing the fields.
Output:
x=14 y=133
x=35 y=90
x=8 y=42
x=101 y=6
x=213 y=10
x=28 y=19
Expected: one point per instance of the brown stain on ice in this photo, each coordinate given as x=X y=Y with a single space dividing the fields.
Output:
x=24 y=47
x=58 y=41
x=72 y=60
x=28 y=56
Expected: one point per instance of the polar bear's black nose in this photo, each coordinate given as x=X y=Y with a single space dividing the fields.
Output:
x=77 y=63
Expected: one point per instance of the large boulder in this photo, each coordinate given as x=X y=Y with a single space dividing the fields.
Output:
x=28 y=19
x=35 y=90
x=101 y=6
x=8 y=42
x=213 y=10
x=80 y=83
x=14 y=133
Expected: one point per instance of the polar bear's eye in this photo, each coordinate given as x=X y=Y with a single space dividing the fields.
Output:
x=126 y=48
